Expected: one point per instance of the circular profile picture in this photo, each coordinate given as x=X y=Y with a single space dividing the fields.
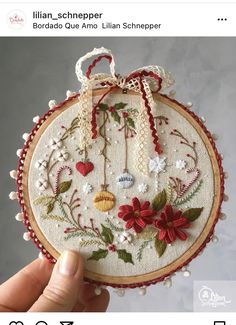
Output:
x=16 y=19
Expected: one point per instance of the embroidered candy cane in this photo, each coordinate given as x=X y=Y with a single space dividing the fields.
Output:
x=190 y=183
x=58 y=175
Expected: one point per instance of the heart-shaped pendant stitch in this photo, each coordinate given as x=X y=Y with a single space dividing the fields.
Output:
x=84 y=167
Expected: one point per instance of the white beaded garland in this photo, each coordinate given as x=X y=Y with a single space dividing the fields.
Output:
x=189 y=104
x=18 y=152
x=142 y=291
x=167 y=283
x=13 y=174
x=19 y=216
x=186 y=274
x=202 y=118
x=222 y=216
x=41 y=256
x=36 y=119
x=215 y=239
x=13 y=196
x=98 y=291
x=226 y=198
x=70 y=93
x=26 y=236
x=52 y=103
x=120 y=292
x=25 y=136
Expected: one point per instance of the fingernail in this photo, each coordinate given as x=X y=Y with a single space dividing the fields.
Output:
x=69 y=262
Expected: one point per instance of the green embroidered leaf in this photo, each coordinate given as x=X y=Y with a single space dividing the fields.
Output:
x=147 y=233
x=119 y=106
x=125 y=256
x=52 y=217
x=107 y=234
x=159 y=201
x=97 y=255
x=130 y=122
x=192 y=214
x=43 y=200
x=64 y=187
x=49 y=207
x=160 y=246
x=115 y=116
x=103 y=107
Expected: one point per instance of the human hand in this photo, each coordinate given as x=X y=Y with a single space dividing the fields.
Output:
x=43 y=287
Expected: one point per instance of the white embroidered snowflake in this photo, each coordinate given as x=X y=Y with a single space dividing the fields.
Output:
x=55 y=143
x=180 y=164
x=41 y=164
x=157 y=164
x=62 y=155
x=125 y=238
x=143 y=188
x=42 y=184
x=87 y=188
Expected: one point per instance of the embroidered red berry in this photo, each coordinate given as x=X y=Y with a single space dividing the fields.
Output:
x=84 y=167
x=111 y=109
x=125 y=114
x=112 y=248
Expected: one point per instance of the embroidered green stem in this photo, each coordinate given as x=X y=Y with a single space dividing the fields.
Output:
x=86 y=243
x=142 y=248
x=113 y=227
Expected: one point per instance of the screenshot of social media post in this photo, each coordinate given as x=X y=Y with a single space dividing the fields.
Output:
x=117 y=128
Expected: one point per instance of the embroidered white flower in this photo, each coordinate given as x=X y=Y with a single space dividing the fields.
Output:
x=125 y=238
x=62 y=155
x=157 y=164
x=55 y=143
x=41 y=164
x=87 y=188
x=143 y=188
x=180 y=164
x=42 y=184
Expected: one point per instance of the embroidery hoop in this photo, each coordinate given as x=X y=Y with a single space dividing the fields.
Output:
x=132 y=281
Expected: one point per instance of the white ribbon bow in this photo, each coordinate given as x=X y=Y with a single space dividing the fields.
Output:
x=145 y=80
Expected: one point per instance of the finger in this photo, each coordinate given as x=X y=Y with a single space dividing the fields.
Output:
x=86 y=292
x=24 y=288
x=98 y=303
x=62 y=291
x=89 y=301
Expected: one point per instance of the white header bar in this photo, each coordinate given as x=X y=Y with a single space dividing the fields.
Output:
x=118 y=19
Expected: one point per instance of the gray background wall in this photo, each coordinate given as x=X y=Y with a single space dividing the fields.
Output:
x=34 y=70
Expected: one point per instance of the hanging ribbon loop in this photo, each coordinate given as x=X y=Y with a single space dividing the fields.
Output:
x=144 y=81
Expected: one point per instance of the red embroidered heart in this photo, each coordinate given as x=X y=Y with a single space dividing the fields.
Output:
x=84 y=168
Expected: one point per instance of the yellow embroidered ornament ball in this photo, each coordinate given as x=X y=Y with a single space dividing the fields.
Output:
x=122 y=173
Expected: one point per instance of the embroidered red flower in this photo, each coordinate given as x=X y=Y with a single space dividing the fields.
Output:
x=137 y=215
x=171 y=224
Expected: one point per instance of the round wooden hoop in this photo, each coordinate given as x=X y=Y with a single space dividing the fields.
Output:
x=198 y=245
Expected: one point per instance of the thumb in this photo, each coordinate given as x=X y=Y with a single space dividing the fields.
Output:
x=61 y=293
